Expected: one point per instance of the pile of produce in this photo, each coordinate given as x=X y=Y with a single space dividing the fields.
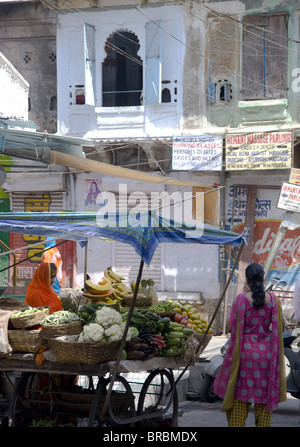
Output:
x=187 y=315
x=60 y=317
x=106 y=325
x=29 y=311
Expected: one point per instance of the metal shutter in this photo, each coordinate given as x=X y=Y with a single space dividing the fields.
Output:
x=28 y=201
x=127 y=261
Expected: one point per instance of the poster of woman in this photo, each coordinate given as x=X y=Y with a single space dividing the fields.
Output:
x=92 y=192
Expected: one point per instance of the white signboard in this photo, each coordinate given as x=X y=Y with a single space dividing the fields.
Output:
x=271 y=150
x=289 y=198
x=197 y=153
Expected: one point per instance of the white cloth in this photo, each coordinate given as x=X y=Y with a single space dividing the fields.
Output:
x=297 y=300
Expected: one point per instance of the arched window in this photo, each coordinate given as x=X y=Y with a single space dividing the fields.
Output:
x=122 y=71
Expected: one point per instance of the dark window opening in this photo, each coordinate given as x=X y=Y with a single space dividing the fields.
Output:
x=165 y=95
x=53 y=103
x=122 y=71
x=220 y=91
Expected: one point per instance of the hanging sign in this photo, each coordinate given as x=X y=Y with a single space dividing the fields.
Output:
x=289 y=198
x=270 y=150
x=197 y=153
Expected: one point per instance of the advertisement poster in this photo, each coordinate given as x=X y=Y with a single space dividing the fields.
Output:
x=92 y=192
x=289 y=198
x=197 y=154
x=271 y=150
x=268 y=217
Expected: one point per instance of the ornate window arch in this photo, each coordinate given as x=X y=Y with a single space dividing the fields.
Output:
x=122 y=70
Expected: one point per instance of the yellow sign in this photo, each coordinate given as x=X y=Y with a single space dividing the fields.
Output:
x=295 y=176
x=270 y=150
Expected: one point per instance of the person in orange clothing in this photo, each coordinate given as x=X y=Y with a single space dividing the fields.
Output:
x=40 y=291
x=53 y=255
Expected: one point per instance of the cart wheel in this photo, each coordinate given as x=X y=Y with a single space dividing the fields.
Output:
x=158 y=395
x=28 y=402
x=120 y=407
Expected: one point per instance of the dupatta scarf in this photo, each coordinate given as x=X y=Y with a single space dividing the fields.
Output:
x=40 y=292
x=224 y=385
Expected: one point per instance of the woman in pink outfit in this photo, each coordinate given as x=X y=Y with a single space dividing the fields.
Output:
x=253 y=370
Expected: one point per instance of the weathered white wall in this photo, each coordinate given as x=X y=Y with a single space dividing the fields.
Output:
x=98 y=122
x=187 y=269
x=14 y=91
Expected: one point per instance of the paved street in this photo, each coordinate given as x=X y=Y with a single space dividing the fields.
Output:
x=201 y=414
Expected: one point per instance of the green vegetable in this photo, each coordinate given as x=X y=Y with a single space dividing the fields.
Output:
x=29 y=311
x=188 y=331
x=174 y=324
x=174 y=341
x=175 y=334
x=162 y=306
x=134 y=332
x=60 y=317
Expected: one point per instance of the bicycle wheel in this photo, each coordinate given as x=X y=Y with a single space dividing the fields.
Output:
x=120 y=408
x=158 y=395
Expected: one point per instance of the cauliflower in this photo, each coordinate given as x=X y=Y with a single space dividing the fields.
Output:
x=114 y=333
x=91 y=332
x=108 y=317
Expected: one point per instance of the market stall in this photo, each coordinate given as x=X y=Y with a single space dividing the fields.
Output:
x=108 y=372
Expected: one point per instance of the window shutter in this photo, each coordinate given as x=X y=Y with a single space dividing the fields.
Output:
x=264 y=56
x=89 y=54
x=153 y=72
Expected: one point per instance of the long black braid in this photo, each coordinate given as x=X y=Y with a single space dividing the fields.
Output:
x=255 y=276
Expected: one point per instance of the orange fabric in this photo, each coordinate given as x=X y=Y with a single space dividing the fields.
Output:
x=40 y=292
x=53 y=255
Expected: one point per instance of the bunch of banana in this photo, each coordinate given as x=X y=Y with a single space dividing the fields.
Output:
x=120 y=290
x=113 y=276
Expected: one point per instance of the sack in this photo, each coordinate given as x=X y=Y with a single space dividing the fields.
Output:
x=8 y=306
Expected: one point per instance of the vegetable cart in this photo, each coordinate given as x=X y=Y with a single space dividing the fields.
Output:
x=101 y=396
x=142 y=400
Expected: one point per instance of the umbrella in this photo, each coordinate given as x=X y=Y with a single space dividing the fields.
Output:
x=143 y=233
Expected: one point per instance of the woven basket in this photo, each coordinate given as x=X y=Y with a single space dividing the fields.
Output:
x=25 y=341
x=206 y=340
x=90 y=353
x=30 y=320
x=57 y=330
x=84 y=399
x=141 y=301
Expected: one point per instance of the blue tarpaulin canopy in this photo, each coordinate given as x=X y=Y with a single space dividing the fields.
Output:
x=143 y=234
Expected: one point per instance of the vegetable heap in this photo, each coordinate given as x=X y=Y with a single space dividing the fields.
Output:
x=156 y=336
x=61 y=317
x=106 y=325
x=29 y=311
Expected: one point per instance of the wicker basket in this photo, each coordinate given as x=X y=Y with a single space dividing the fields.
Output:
x=90 y=353
x=57 y=330
x=25 y=341
x=206 y=340
x=141 y=300
x=82 y=401
x=30 y=320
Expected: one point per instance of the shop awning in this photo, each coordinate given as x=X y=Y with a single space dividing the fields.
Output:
x=143 y=235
